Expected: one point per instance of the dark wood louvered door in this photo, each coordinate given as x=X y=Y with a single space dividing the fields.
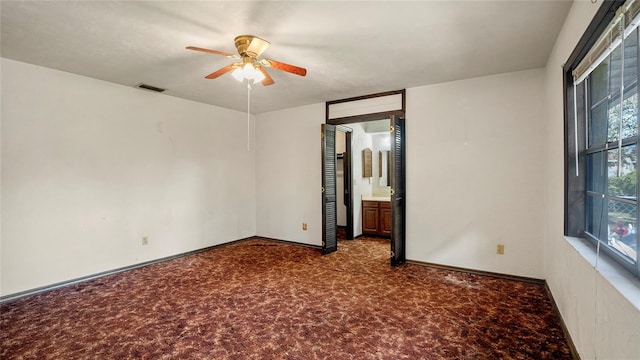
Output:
x=397 y=168
x=329 y=206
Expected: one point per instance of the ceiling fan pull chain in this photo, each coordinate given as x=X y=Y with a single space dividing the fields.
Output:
x=248 y=114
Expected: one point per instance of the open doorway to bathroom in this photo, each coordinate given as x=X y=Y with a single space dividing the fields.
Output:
x=363 y=187
x=363 y=171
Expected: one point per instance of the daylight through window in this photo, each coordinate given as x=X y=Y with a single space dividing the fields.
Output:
x=605 y=140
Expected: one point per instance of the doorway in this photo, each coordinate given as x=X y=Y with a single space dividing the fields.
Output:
x=344 y=184
x=352 y=198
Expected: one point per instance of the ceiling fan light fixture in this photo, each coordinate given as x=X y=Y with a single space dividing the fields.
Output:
x=258 y=76
x=248 y=71
x=238 y=74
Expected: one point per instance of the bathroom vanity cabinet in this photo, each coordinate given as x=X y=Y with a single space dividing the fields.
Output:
x=376 y=217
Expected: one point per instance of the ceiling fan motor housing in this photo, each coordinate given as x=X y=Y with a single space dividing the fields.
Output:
x=249 y=45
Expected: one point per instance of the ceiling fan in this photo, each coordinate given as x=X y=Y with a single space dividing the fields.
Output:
x=250 y=67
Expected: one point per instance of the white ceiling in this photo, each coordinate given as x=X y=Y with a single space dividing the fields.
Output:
x=349 y=48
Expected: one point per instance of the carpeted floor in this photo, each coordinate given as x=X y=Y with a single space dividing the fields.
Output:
x=259 y=299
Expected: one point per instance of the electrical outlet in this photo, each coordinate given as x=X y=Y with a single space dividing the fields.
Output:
x=500 y=250
x=304 y=226
x=145 y=240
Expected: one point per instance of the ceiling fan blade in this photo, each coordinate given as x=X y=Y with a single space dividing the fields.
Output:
x=257 y=46
x=285 y=67
x=267 y=79
x=222 y=71
x=216 y=52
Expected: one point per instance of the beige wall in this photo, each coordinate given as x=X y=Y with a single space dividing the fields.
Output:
x=475 y=173
x=288 y=174
x=90 y=167
x=603 y=322
x=472 y=147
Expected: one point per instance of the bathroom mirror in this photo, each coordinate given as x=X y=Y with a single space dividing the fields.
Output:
x=383 y=168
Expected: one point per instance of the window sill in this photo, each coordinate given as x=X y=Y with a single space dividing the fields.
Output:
x=616 y=275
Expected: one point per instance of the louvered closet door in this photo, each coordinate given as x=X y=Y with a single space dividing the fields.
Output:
x=329 y=209
x=397 y=168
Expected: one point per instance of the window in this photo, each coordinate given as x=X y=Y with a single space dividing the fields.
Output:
x=601 y=126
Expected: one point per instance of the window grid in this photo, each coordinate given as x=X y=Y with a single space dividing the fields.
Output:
x=611 y=138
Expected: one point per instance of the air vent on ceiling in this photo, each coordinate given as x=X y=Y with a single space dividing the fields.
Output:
x=149 y=87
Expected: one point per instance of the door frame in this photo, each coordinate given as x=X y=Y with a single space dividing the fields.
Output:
x=366 y=117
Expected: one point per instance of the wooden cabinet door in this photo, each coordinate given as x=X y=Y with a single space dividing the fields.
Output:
x=369 y=218
x=385 y=218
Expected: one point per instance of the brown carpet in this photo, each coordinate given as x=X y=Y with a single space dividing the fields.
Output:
x=260 y=299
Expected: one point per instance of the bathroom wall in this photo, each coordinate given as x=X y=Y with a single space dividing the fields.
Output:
x=380 y=142
x=341 y=146
x=360 y=140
